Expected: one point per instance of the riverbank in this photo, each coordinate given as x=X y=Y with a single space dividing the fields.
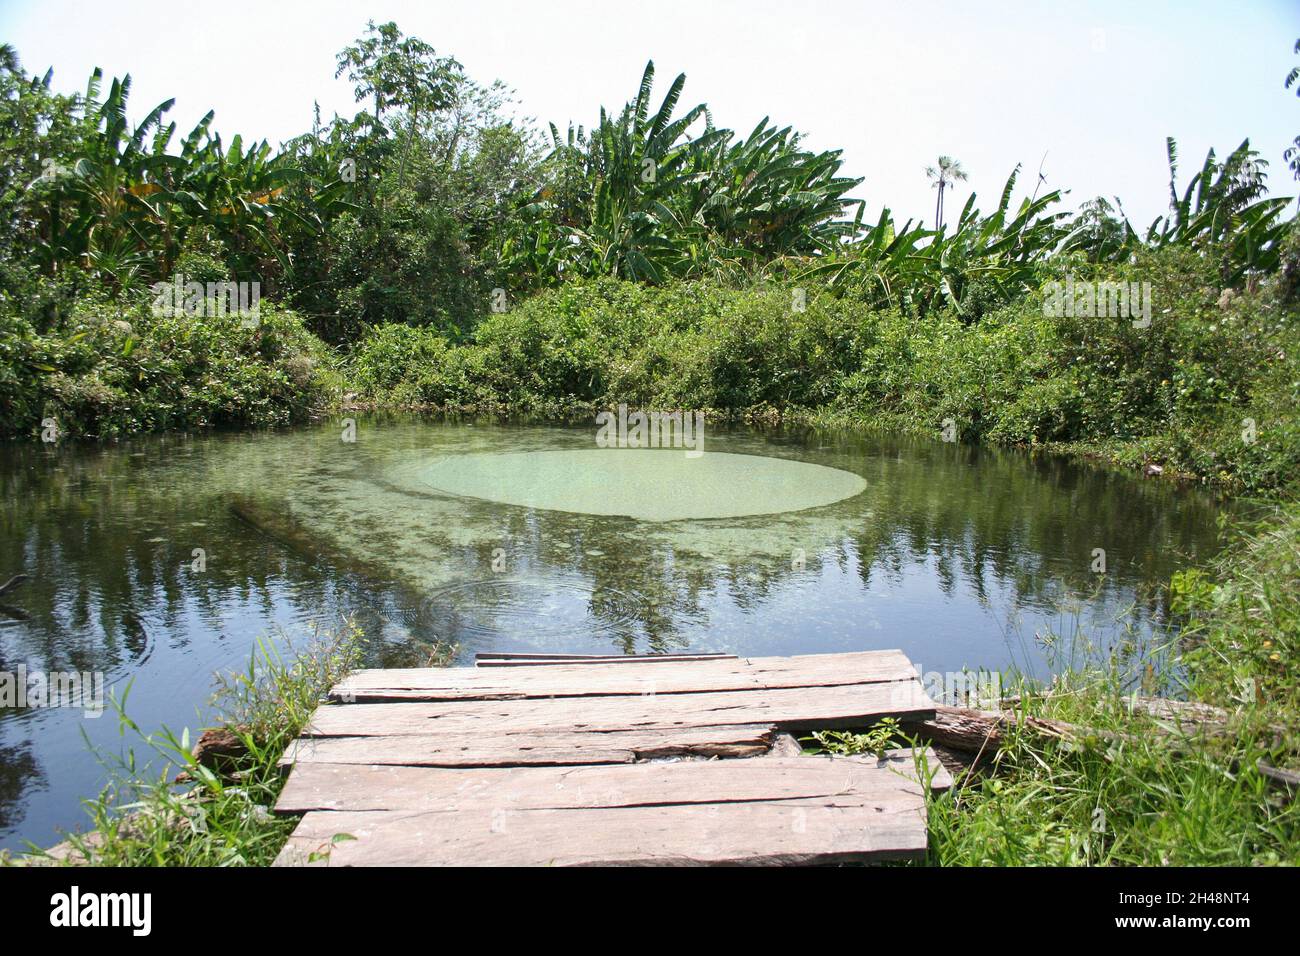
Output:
x=1088 y=773
x=1152 y=789
x=1207 y=390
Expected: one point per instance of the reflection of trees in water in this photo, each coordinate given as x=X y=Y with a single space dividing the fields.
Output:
x=107 y=537
x=629 y=603
x=19 y=776
x=1028 y=525
x=985 y=521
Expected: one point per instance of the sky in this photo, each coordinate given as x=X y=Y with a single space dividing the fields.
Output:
x=1086 y=91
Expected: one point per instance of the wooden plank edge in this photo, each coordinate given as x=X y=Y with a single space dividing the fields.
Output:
x=541 y=660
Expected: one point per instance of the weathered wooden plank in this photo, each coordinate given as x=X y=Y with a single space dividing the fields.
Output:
x=523 y=656
x=541 y=748
x=788 y=708
x=591 y=679
x=884 y=782
x=776 y=810
x=798 y=832
x=863 y=663
x=511 y=660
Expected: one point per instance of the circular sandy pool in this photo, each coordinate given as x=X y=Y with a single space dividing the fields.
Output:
x=646 y=484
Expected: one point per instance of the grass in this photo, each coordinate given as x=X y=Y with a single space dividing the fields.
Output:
x=217 y=817
x=1134 y=789
x=1145 y=796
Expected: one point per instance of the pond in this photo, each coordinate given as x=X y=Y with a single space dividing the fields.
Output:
x=161 y=560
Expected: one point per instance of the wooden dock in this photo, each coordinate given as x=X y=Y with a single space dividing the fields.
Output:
x=560 y=760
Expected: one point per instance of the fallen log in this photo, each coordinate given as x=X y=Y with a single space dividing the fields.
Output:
x=979 y=734
x=1159 y=707
x=1288 y=780
x=1181 y=711
x=281 y=526
x=982 y=731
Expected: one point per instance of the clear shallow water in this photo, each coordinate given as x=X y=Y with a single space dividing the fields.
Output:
x=648 y=485
x=483 y=535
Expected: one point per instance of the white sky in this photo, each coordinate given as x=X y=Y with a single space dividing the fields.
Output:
x=1096 y=86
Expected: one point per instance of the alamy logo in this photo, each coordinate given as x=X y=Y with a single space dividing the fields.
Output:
x=82 y=690
x=962 y=688
x=180 y=297
x=75 y=908
x=651 y=430
x=1095 y=300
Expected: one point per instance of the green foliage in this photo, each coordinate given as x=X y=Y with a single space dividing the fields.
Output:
x=878 y=740
x=991 y=260
x=112 y=369
x=641 y=197
x=115 y=201
x=351 y=222
x=1148 y=801
x=1177 y=392
x=1291 y=155
x=922 y=270
x=415 y=210
x=402 y=363
x=1123 y=788
x=1221 y=214
x=1242 y=630
x=398 y=72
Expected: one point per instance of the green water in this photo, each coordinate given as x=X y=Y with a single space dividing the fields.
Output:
x=645 y=484
x=530 y=538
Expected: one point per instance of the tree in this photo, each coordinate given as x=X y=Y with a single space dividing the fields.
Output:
x=399 y=72
x=650 y=194
x=948 y=171
x=410 y=232
x=1292 y=154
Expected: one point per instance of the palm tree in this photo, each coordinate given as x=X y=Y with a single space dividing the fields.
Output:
x=1292 y=154
x=949 y=171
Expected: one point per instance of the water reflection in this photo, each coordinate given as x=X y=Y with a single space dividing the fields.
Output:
x=957 y=555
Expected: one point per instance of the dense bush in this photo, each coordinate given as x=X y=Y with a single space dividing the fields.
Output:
x=113 y=367
x=1179 y=391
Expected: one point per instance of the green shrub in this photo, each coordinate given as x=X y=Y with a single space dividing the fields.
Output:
x=113 y=368
x=1178 y=391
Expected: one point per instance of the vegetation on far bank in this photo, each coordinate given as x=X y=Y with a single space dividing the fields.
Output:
x=1209 y=389
x=654 y=258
